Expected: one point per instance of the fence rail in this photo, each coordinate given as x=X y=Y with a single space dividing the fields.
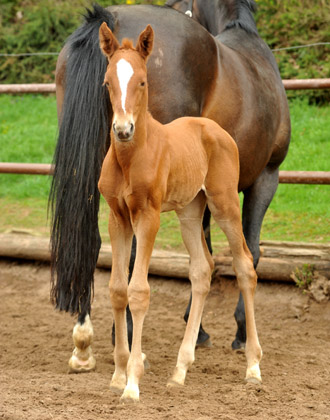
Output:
x=292 y=84
x=285 y=177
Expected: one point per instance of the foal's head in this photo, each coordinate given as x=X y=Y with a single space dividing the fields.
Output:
x=126 y=79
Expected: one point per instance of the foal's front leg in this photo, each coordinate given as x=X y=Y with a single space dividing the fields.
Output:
x=121 y=233
x=145 y=225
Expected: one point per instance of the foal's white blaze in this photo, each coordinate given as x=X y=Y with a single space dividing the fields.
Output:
x=124 y=73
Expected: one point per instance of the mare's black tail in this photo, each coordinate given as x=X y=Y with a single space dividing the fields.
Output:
x=81 y=145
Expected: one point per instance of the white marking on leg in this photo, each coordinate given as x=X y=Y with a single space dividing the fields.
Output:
x=124 y=73
x=83 y=331
x=82 y=359
x=253 y=372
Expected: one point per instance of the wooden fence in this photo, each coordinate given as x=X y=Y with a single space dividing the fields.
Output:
x=50 y=87
x=285 y=177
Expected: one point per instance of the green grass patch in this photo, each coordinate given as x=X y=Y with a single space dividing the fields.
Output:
x=28 y=129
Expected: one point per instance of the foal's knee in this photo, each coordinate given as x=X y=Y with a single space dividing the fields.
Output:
x=138 y=297
x=118 y=296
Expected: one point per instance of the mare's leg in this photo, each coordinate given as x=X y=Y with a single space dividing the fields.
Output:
x=145 y=224
x=82 y=359
x=203 y=339
x=200 y=270
x=121 y=238
x=225 y=209
x=256 y=201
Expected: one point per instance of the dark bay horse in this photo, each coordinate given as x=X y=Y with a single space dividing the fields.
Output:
x=150 y=168
x=232 y=79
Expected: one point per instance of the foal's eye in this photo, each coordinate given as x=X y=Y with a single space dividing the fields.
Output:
x=142 y=84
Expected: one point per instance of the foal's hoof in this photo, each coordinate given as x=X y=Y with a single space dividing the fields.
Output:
x=116 y=389
x=178 y=378
x=253 y=375
x=131 y=395
x=253 y=381
x=174 y=384
x=146 y=363
x=77 y=365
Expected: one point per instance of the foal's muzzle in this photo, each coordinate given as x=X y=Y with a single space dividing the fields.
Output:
x=123 y=131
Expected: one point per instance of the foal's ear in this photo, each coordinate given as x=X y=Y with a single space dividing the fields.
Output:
x=108 y=42
x=145 y=42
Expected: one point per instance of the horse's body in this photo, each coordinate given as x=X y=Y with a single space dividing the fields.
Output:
x=232 y=79
x=151 y=168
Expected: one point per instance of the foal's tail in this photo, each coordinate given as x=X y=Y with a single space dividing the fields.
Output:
x=81 y=145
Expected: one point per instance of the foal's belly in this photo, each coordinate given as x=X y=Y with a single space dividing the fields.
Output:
x=180 y=195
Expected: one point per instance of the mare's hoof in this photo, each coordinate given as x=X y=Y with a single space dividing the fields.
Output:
x=238 y=345
x=205 y=344
x=77 y=365
x=203 y=339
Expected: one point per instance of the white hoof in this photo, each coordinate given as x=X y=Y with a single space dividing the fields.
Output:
x=178 y=378
x=253 y=375
x=82 y=361
x=118 y=382
x=131 y=394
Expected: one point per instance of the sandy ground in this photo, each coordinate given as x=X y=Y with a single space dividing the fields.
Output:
x=35 y=346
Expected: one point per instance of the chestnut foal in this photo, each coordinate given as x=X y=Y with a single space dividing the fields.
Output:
x=150 y=168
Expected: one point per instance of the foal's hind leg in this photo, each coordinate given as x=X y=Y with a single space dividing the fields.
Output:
x=200 y=270
x=225 y=210
x=256 y=201
x=82 y=359
x=203 y=339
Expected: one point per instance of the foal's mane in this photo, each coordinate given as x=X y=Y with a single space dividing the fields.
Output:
x=127 y=44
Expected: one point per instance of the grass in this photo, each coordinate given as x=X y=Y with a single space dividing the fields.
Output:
x=28 y=129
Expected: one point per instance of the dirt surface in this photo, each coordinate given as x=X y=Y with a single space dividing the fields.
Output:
x=35 y=346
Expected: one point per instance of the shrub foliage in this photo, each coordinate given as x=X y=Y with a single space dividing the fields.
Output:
x=27 y=27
